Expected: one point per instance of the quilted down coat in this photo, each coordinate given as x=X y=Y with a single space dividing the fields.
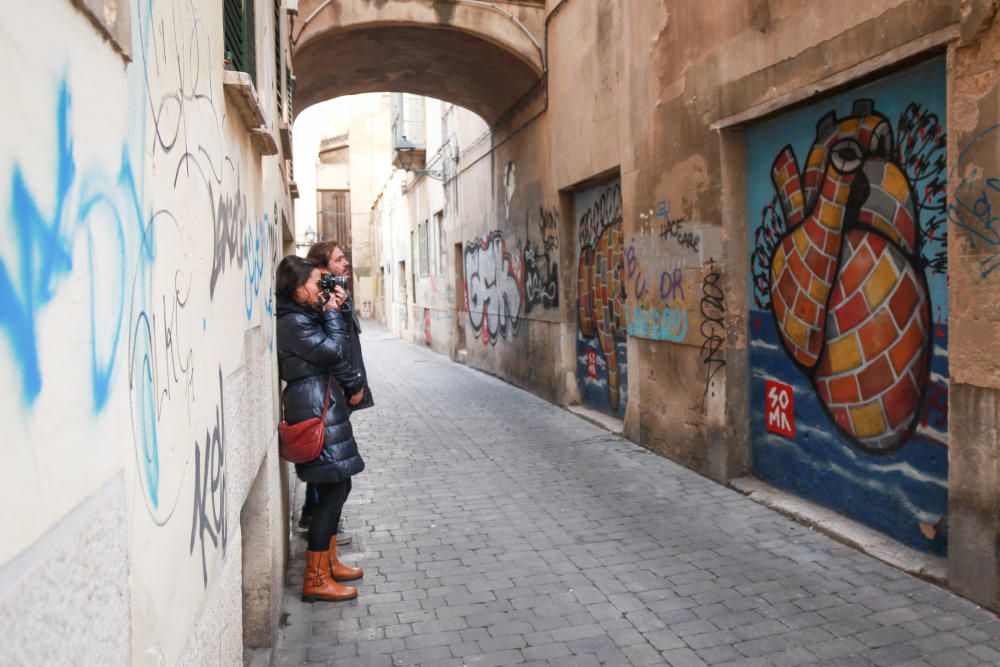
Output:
x=311 y=345
x=354 y=351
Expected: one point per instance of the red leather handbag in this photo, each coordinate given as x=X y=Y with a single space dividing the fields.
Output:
x=302 y=442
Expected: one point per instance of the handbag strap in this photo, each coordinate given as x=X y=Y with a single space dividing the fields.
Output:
x=326 y=396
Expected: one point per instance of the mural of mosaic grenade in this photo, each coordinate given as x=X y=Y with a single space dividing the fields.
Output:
x=847 y=290
x=601 y=317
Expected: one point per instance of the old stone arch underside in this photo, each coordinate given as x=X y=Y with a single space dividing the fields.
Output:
x=474 y=55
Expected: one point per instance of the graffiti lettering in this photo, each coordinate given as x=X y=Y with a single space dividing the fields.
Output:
x=541 y=280
x=667 y=323
x=159 y=362
x=493 y=280
x=605 y=212
x=229 y=227
x=671 y=285
x=674 y=229
x=772 y=228
x=977 y=206
x=44 y=254
x=548 y=229
x=635 y=273
x=257 y=247
x=713 y=309
x=209 y=511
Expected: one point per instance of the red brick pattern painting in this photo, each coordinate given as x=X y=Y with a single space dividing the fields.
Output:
x=846 y=284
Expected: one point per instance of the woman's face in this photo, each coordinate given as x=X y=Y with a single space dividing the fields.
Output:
x=308 y=292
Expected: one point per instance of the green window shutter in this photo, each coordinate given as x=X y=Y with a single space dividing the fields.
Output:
x=249 y=40
x=238 y=36
x=278 y=87
x=289 y=91
x=232 y=23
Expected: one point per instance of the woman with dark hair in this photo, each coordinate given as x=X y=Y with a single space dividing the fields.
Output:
x=312 y=345
x=329 y=256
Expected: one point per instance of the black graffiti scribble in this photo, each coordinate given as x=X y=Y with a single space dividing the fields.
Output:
x=604 y=213
x=166 y=359
x=921 y=150
x=229 y=226
x=772 y=227
x=713 y=328
x=541 y=280
x=548 y=228
x=674 y=229
x=209 y=510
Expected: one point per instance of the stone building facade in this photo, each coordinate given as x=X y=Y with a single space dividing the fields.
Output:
x=759 y=233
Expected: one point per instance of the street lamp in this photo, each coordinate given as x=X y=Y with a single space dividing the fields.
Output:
x=405 y=149
x=308 y=238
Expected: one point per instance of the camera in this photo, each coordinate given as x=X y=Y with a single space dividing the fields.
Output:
x=327 y=281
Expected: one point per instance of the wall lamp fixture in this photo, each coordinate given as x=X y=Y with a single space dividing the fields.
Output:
x=405 y=149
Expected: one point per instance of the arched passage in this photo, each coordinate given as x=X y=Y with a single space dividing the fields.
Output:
x=481 y=56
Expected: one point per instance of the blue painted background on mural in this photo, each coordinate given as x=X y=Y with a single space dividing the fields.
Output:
x=594 y=390
x=890 y=492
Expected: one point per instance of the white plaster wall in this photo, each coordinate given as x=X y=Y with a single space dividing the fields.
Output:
x=136 y=268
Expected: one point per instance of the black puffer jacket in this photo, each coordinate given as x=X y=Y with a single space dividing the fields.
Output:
x=311 y=344
x=354 y=351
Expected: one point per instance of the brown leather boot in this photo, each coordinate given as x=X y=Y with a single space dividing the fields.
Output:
x=338 y=570
x=317 y=584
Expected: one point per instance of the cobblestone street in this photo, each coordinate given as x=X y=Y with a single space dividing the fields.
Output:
x=498 y=529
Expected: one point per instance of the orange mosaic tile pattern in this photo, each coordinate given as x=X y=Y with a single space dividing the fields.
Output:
x=874 y=367
x=600 y=298
x=851 y=306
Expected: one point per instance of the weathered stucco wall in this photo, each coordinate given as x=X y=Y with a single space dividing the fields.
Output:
x=140 y=232
x=719 y=134
x=974 y=189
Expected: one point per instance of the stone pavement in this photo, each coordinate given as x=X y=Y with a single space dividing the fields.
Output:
x=498 y=529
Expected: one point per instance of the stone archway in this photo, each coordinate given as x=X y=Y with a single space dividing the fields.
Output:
x=482 y=56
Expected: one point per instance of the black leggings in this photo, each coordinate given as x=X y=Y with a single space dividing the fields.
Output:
x=326 y=513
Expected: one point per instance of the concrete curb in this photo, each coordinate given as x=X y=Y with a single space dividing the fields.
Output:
x=607 y=422
x=930 y=568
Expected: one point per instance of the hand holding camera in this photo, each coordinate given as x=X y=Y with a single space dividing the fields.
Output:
x=333 y=291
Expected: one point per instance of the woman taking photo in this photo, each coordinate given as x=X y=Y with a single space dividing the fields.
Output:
x=313 y=342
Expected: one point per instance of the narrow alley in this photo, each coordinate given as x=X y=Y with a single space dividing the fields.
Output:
x=677 y=318
x=496 y=529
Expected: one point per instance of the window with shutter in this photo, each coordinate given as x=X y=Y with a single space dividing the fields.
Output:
x=278 y=86
x=238 y=36
x=422 y=239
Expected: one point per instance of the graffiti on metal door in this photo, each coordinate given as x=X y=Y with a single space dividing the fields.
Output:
x=849 y=289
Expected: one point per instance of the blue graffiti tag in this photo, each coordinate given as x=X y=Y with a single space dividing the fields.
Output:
x=44 y=254
x=668 y=323
x=258 y=252
x=253 y=252
x=977 y=208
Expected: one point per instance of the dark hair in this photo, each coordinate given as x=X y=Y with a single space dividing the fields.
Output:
x=292 y=272
x=319 y=253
